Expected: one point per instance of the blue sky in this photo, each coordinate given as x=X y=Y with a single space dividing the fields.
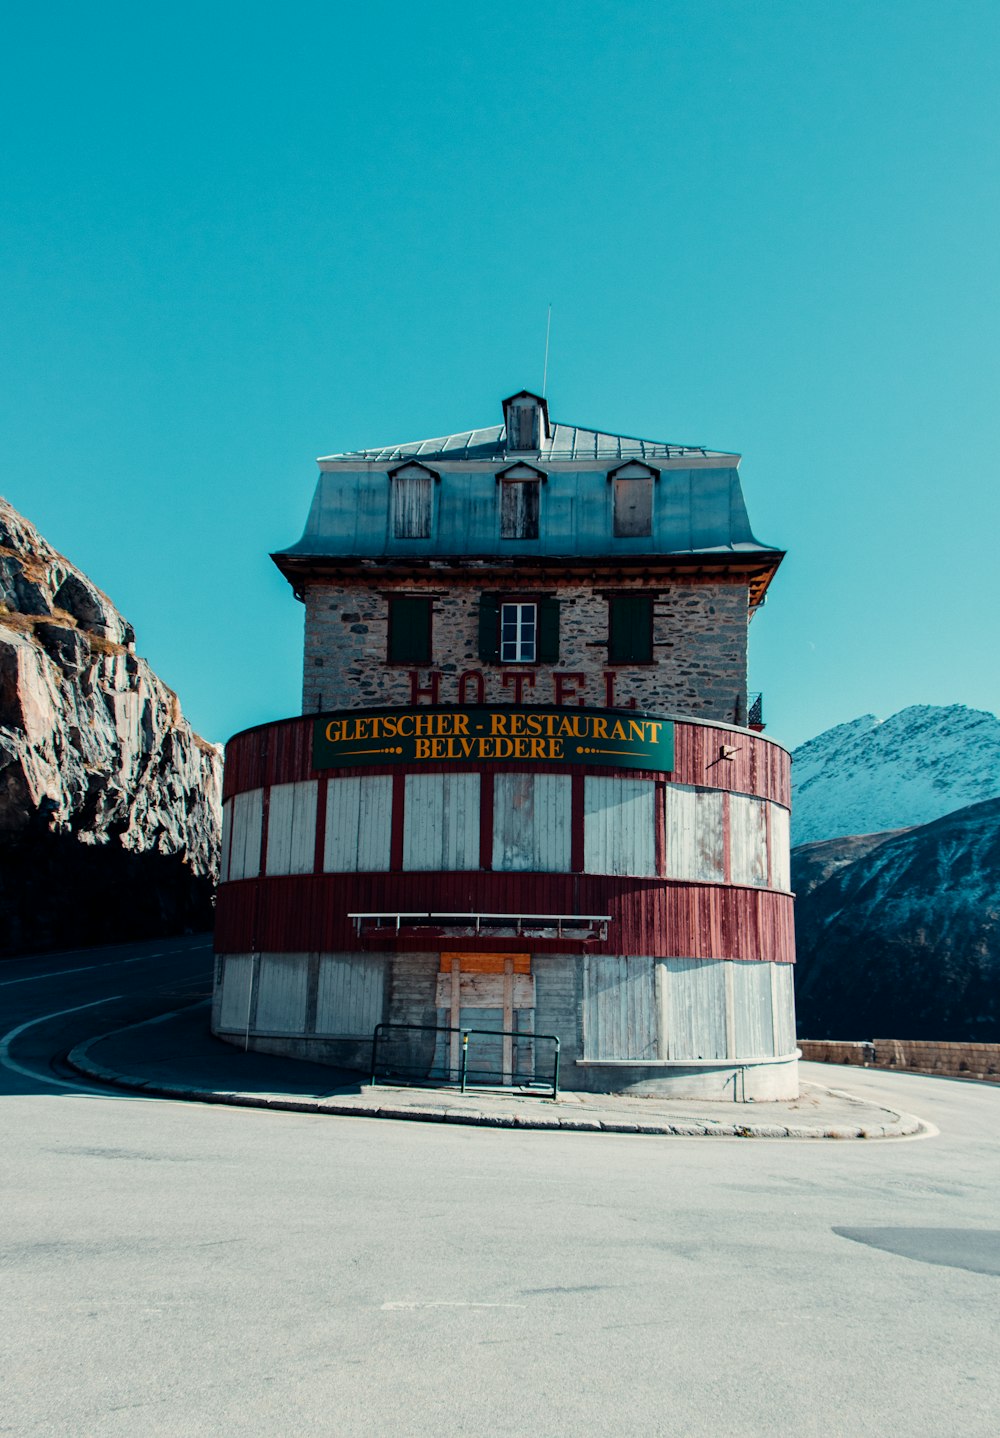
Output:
x=234 y=237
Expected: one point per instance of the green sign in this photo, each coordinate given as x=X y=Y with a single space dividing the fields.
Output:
x=530 y=734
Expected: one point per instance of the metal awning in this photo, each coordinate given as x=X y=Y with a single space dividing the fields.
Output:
x=537 y=925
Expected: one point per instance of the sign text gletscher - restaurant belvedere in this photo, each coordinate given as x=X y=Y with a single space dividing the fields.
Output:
x=532 y=734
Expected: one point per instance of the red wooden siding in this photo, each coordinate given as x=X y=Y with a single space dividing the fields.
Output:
x=649 y=916
x=281 y=753
x=308 y=913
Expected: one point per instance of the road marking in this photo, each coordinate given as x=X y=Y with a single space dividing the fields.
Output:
x=89 y=968
x=443 y=1303
x=8 y=1063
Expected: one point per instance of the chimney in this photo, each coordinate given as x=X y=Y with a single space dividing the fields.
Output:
x=526 y=417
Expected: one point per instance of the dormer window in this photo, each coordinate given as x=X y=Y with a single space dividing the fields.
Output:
x=632 y=486
x=411 y=501
x=520 y=486
x=526 y=417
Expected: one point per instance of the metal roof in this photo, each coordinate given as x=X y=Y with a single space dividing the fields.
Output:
x=695 y=510
x=566 y=441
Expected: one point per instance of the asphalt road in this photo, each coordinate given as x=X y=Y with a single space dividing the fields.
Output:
x=173 y=1269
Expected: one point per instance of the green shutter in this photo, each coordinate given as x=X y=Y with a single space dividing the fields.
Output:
x=619 y=630
x=410 y=631
x=630 y=629
x=548 y=631
x=489 y=628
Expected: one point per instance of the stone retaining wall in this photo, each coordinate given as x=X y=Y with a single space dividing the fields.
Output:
x=954 y=1060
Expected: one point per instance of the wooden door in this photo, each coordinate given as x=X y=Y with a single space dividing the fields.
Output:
x=487 y=991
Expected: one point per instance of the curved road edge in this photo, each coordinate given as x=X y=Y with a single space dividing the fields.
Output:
x=461 y=1109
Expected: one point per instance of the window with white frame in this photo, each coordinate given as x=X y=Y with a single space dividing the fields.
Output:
x=518 y=633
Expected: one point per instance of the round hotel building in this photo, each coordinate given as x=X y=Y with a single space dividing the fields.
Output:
x=526 y=799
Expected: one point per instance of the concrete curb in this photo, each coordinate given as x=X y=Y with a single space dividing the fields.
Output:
x=903 y=1125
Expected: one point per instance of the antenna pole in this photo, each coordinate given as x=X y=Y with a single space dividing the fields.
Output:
x=545 y=367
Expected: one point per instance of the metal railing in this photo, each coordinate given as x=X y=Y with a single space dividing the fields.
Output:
x=461 y=1074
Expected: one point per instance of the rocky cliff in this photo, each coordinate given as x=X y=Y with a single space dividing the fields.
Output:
x=109 y=802
x=898 y=935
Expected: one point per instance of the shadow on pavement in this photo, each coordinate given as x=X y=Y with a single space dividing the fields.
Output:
x=181 y=1049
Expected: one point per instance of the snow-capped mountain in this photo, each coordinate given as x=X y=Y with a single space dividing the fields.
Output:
x=871 y=775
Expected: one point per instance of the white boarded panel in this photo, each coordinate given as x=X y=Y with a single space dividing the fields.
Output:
x=752 y=1024
x=696 y=1009
x=350 y=995
x=747 y=840
x=282 y=985
x=695 y=834
x=619 y=1020
x=486 y=991
x=524 y=1047
x=619 y=835
x=291 y=828
x=358 y=825
x=783 y=1002
x=237 y=971
x=375 y=823
x=780 y=845
x=244 y=853
x=485 y=1049
x=531 y=822
x=441 y=824
x=227 y=834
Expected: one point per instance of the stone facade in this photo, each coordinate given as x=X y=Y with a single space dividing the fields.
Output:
x=699 y=650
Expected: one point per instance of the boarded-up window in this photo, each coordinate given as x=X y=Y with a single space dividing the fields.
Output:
x=633 y=507
x=350 y=994
x=244 y=847
x=695 y=834
x=237 y=978
x=780 y=855
x=620 y=1012
x=619 y=834
x=531 y=822
x=748 y=840
x=753 y=1024
x=441 y=823
x=630 y=628
x=227 y=836
x=291 y=828
x=783 y=1007
x=519 y=508
x=411 y=506
x=358 y=834
x=524 y=425
x=696 y=1009
x=282 y=988
x=410 y=630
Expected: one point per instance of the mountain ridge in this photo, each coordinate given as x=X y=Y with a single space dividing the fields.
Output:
x=868 y=775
